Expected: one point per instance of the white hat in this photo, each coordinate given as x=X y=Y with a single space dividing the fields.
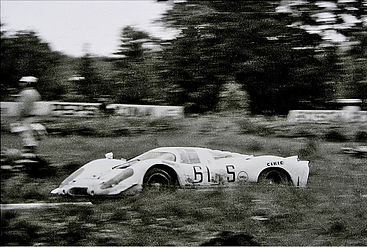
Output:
x=29 y=79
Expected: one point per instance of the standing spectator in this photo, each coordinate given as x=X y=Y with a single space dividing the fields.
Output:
x=27 y=99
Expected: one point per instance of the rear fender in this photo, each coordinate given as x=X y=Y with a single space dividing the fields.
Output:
x=276 y=169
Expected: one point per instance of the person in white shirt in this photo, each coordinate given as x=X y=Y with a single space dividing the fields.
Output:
x=26 y=107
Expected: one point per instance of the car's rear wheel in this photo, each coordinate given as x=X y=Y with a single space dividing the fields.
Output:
x=157 y=178
x=274 y=176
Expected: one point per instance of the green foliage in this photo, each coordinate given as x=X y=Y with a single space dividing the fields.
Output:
x=23 y=54
x=280 y=65
x=134 y=69
x=336 y=228
x=310 y=149
x=16 y=230
x=232 y=98
x=335 y=135
x=276 y=76
x=252 y=126
x=228 y=40
x=347 y=79
x=110 y=127
x=228 y=55
x=361 y=136
x=91 y=86
x=132 y=42
x=195 y=63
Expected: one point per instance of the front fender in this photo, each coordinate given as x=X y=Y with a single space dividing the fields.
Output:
x=143 y=167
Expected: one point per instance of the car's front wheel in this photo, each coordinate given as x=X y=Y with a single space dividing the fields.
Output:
x=274 y=176
x=158 y=178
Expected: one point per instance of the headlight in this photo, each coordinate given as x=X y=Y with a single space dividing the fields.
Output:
x=117 y=179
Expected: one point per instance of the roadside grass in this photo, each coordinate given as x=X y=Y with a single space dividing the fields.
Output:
x=331 y=210
x=192 y=217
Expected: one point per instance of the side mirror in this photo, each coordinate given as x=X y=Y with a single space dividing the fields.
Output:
x=109 y=155
x=124 y=160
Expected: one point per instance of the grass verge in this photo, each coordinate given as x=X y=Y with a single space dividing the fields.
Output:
x=330 y=211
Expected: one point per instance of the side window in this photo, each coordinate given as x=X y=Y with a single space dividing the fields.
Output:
x=184 y=157
x=189 y=156
x=193 y=156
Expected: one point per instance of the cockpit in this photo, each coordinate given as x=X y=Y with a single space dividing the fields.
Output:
x=157 y=155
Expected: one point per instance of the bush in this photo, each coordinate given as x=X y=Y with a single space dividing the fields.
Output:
x=162 y=124
x=16 y=231
x=302 y=131
x=227 y=238
x=40 y=169
x=70 y=168
x=249 y=127
x=254 y=146
x=336 y=228
x=335 y=136
x=110 y=127
x=361 y=136
x=206 y=127
x=311 y=148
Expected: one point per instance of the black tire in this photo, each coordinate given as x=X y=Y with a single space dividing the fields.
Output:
x=274 y=176
x=158 y=179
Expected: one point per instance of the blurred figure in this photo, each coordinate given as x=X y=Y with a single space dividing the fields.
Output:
x=27 y=98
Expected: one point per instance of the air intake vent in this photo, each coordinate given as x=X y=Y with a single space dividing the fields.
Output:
x=78 y=191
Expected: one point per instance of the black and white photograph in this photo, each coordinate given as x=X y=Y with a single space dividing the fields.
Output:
x=183 y=123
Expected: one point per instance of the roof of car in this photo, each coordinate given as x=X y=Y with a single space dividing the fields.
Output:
x=172 y=149
x=178 y=148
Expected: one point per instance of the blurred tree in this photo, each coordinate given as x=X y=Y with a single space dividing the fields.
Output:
x=247 y=40
x=233 y=98
x=9 y=75
x=133 y=68
x=280 y=71
x=132 y=42
x=359 y=66
x=24 y=54
x=342 y=27
x=91 y=86
x=196 y=64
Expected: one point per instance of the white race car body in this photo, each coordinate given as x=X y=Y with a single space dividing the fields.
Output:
x=182 y=166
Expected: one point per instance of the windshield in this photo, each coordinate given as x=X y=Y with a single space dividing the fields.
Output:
x=147 y=156
x=157 y=155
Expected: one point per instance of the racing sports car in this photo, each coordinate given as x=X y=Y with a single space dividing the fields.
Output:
x=181 y=167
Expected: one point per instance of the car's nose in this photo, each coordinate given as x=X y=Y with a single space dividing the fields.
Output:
x=56 y=191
